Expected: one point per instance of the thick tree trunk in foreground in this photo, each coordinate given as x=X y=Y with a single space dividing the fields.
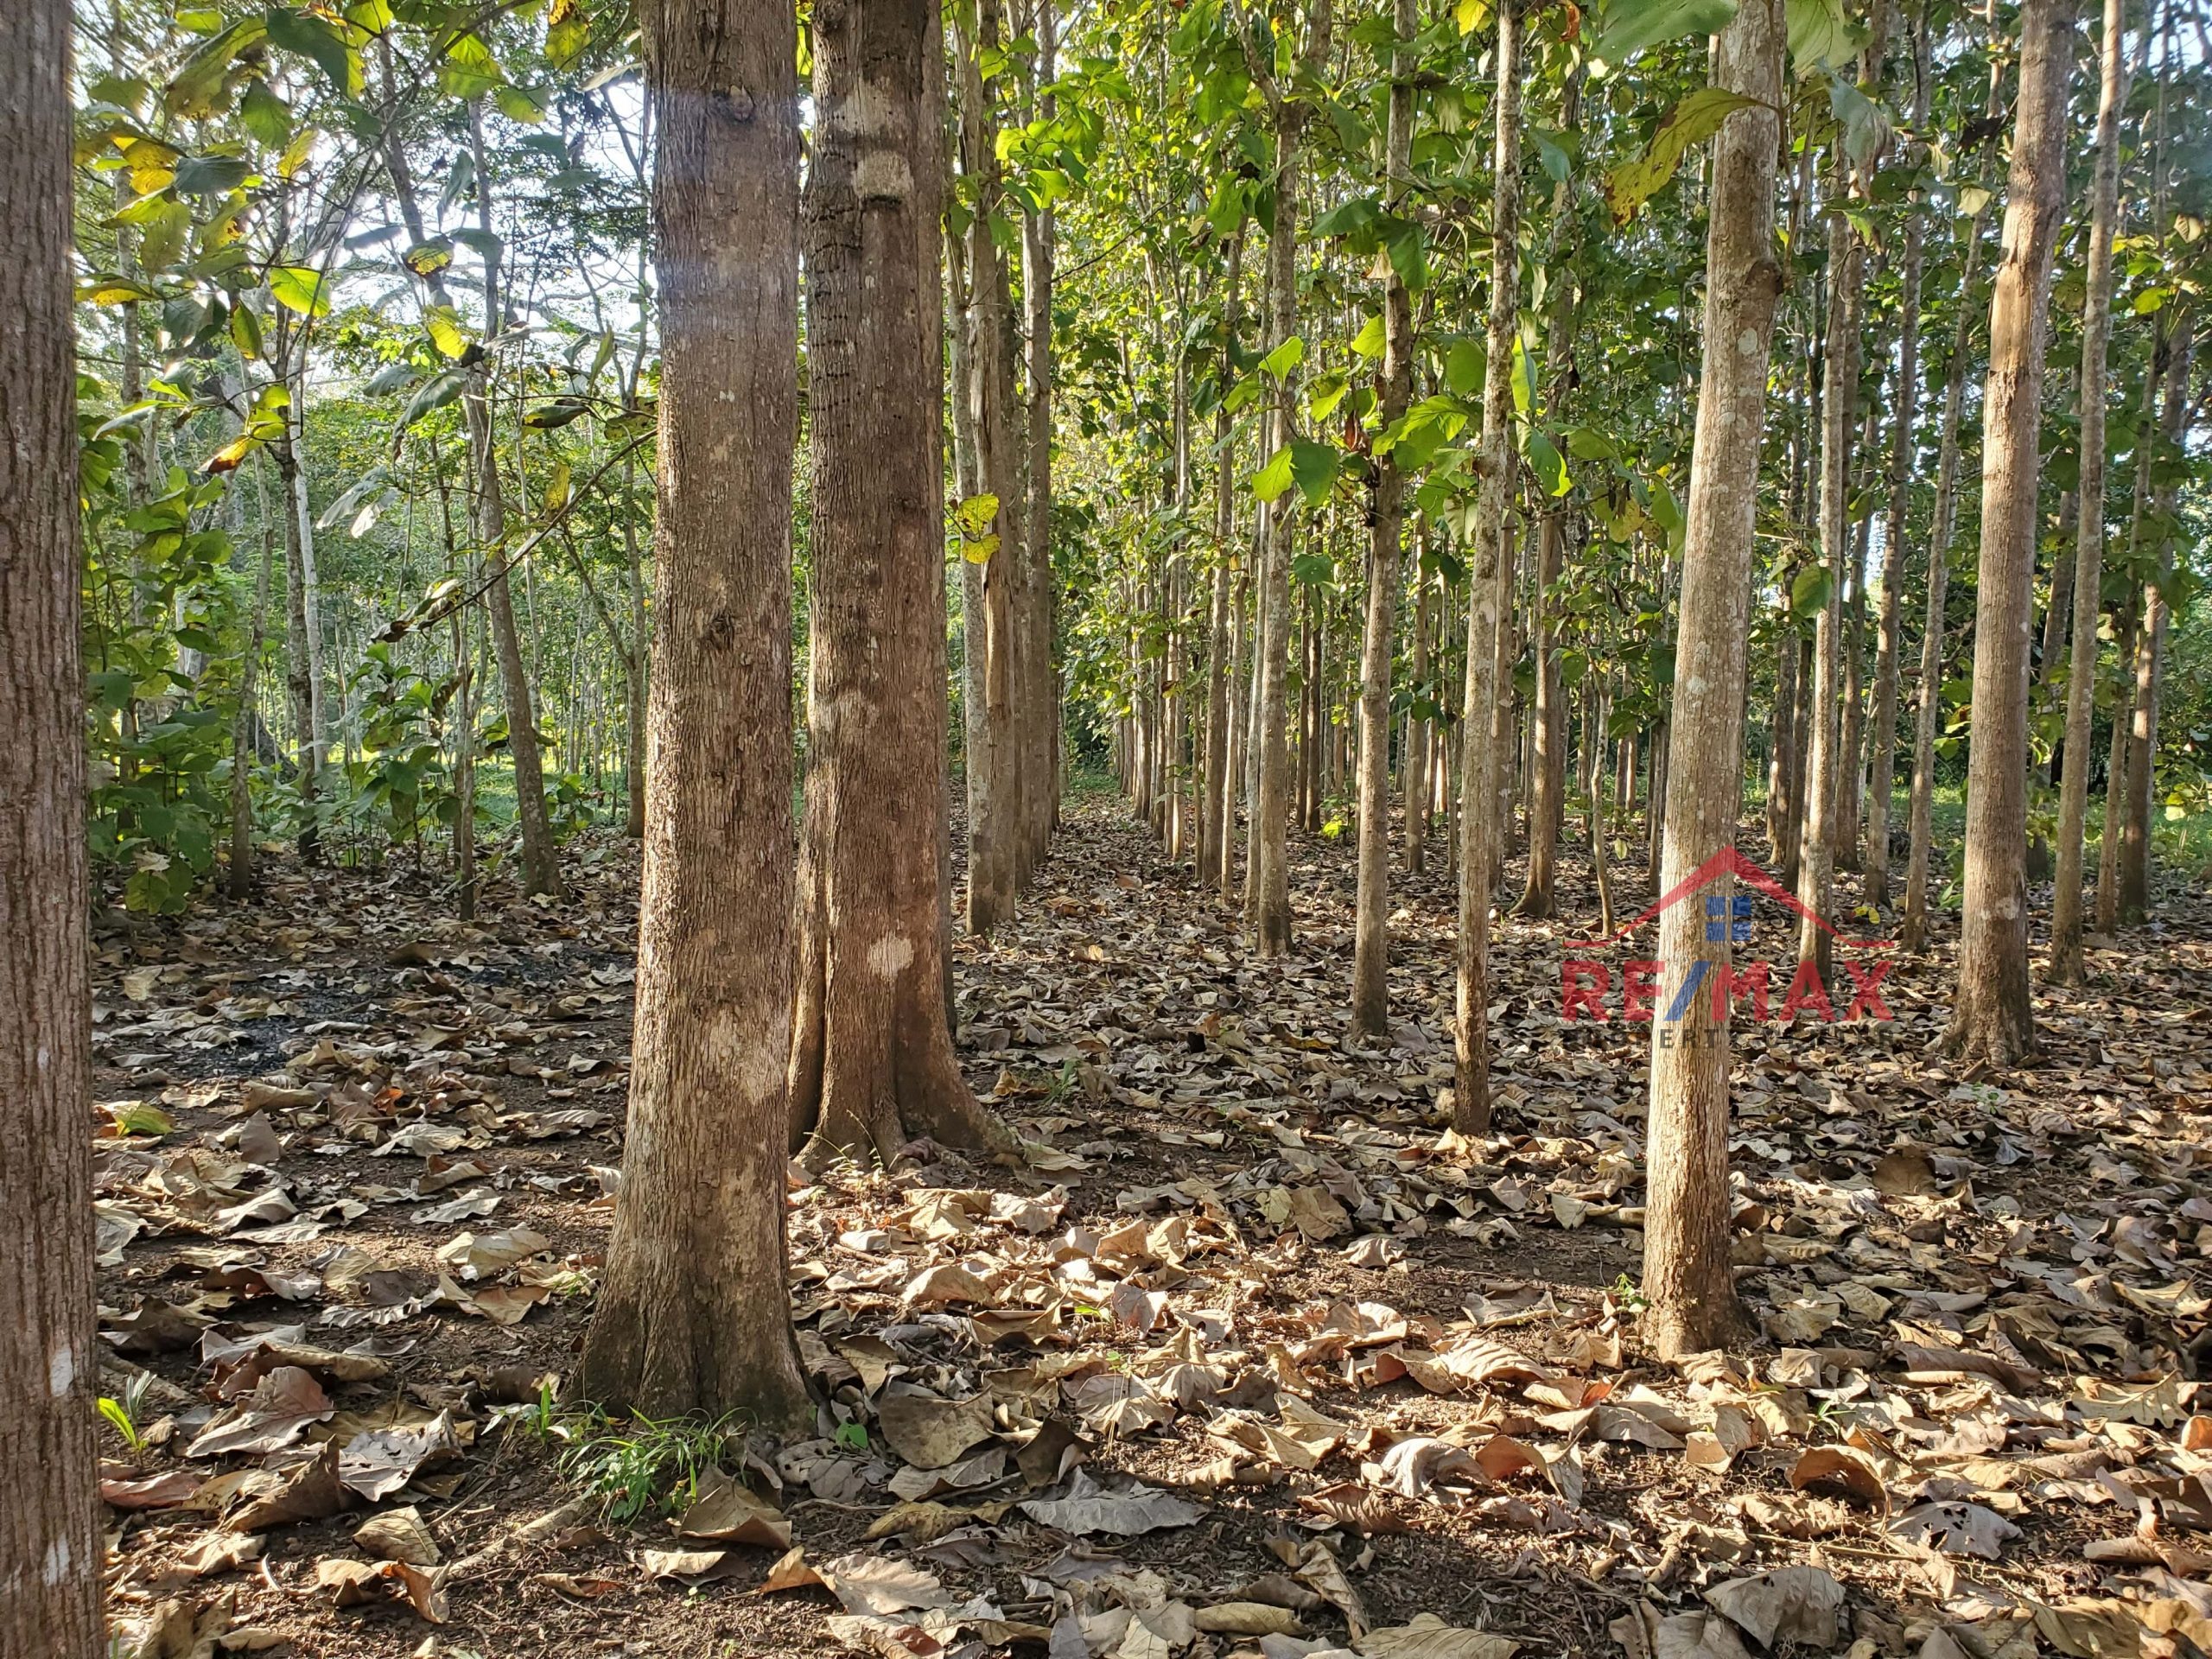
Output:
x=2090 y=523
x=1686 y=1252
x=1479 y=833
x=1370 y=999
x=872 y=1061
x=694 y=1316
x=50 y=1549
x=1993 y=1020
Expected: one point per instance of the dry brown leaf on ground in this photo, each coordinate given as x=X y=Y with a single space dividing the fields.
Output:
x=357 y=1582
x=399 y=1535
x=929 y=1432
x=1428 y=1637
x=727 y=1511
x=1790 y=1604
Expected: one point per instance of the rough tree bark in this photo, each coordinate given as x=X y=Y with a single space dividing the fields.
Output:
x=1370 y=999
x=693 y=1315
x=2141 y=792
x=1687 y=1275
x=2065 y=966
x=1992 y=1019
x=872 y=1063
x=1416 y=780
x=50 y=1549
x=1039 y=694
x=1478 y=832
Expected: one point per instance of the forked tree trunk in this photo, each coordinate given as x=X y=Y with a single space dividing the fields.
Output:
x=2065 y=967
x=693 y=1316
x=1993 y=1020
x=1479 y=831
x=50 y=1548
x=1687 y=1277
x=872 y=1063
x=1370 y=1000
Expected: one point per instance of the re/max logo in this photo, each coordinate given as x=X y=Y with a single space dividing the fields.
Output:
x=1587 y=983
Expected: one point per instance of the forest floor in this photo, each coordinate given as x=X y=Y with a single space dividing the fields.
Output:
x=1252 y=1357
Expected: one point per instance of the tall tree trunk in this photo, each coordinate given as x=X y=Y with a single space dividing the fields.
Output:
x=872 y=1063
x=245 y=724
x=1370 y=1000
x=1824 y=765
x=1903 y=452
x=541 y=859
x=1912 y=934
x=1217 y=810
x=1040 y=697
x=2150 y=649
x=304 y=629
x=50 y=1549
x=692 y=1316
x=1782 y=763
x=1477 y=829
x=995 y=821
x=2066 y=962
x=1993 y=1020
x=1687 y=1275
x=1851 y=742
x=633 y=668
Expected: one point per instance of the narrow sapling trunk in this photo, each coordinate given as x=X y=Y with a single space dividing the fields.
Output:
x=1370 y=1002
x=693 y=1315
x=1478 y=832
x=1993 y=1020
x=1686 y=1276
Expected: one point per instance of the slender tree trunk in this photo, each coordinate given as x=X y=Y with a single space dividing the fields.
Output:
x=1783 y=746
x=1217 y=810
x=1419 y=731
x=692 y=1316
x=1040 y=690
x=1823 y=763
x=1477 y=768
x=1993 y=1020
x=872 y=1062
x=2126 y=630
x=50 y=1549
x=1928 y=712
x=2066 y=962
x=1903 y=454
x=1851 y=742
x=541 y=860
x=246 y=725
x=2150 y=650
x=1687 y=1275
x=1370 y=1001
x=995 y=826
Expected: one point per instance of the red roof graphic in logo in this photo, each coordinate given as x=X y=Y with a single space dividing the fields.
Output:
x=1729 y=861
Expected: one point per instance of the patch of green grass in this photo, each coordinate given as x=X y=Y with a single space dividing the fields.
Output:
x=639 y=1465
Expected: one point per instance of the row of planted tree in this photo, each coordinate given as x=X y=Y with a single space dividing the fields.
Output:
x=1331 y=642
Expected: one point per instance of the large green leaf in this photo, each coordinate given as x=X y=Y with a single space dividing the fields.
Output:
x=313 y=38
x=1820 y=36
x=300 y=289
x=1694 y=120
x=1626 y=26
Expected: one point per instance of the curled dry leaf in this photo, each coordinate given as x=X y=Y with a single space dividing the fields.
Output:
x=357 y=1582
x=1842 y=1472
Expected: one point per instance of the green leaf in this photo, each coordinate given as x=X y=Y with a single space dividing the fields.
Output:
x=246 y=330
x=1349 y=217
x=266 y=116
x=1272 y=479
x=1285 y=357
x=311 y=37
x=209 y=176
x=1820 y=37
x=1313 y=570
x=1544 y=457
x=1470 y=14
x=1409 y=251
x=448 y=333
x=1866 y=128
x=1809 y=593
x=161 y=233
x=1694 y=120
x=975 y=515
x=1368 y=342
x=299 y=288
x=1626 y=26
x=435 y=393
x=1463 y=367
x=1314 y=466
